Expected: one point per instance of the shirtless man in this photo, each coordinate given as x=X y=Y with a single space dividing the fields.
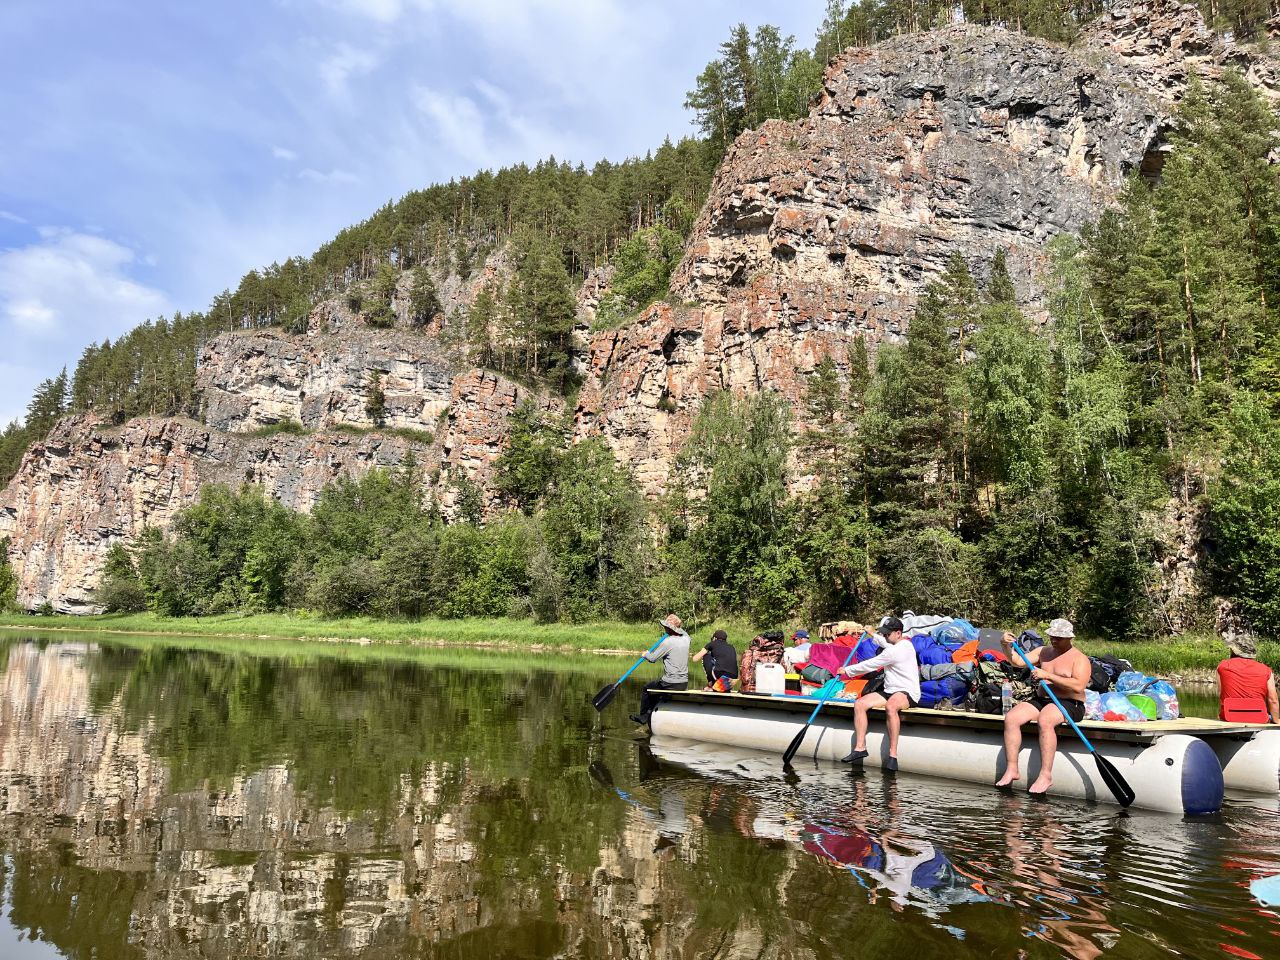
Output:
x=1067 y=671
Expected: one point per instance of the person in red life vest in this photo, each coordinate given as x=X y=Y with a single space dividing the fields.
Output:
x=1246 y=688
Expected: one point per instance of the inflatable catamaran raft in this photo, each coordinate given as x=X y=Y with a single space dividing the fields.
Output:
x=1176 y=766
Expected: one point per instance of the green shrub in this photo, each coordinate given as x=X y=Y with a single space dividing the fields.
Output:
x=644 y=264
x=8 y=579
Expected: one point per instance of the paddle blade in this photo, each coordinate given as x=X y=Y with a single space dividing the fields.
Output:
x=794 y=746
x=601 y=775
x=1117 y=784
x=601 y=699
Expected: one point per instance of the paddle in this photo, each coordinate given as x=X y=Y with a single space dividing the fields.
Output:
x=799 y=737
x=1117 y=784
x=601 y=699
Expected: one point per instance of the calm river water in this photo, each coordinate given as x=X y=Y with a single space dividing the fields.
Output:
x=174 y=803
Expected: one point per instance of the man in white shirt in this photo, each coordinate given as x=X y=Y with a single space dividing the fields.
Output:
x=901 y=689
x=799 y=653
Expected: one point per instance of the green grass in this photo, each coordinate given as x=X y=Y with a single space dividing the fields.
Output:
x=497 y=633
x=290 y=427
x=1179 y=655
x=1193 y=655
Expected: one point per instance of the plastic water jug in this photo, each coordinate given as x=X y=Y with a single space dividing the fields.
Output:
x=771 y=678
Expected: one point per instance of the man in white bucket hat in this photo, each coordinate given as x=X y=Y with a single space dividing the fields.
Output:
x=1067 y=671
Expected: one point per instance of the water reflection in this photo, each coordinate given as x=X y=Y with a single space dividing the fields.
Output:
x=170 y=803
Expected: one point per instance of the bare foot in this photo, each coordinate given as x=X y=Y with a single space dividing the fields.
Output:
x=1009 y=777
x=1042 y=785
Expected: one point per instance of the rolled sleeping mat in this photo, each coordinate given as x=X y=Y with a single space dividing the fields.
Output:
x=1174 y=773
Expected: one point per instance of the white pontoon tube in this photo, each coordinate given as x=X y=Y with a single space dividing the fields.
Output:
x=1174 y=773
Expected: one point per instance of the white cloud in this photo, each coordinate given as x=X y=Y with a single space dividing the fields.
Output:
x=333 y=176
x=384 y=11
x=458 y=122
x=491 y=133
x=345 y=63
x=71 y=284
x=283 y=153
x=11 y=217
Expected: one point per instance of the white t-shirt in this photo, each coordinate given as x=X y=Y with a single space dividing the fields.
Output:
x=794 y=656
x=901 y=670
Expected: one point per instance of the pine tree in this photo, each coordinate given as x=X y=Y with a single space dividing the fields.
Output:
x=918 y=429
x=424 y=304
x=1000 y=286
x=48 y=405
x=542 y=308
x=375 y=404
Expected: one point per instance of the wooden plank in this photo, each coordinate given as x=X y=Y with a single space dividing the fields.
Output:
x=1094 y=729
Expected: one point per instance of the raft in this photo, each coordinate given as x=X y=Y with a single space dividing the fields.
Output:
x=1174 y=766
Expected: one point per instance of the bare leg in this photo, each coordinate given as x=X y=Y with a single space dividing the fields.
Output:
x=1050 y=717
x=893 y=720
x=1013 y=721
x=860 y=721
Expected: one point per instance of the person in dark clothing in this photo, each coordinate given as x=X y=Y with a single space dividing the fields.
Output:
x=719 y=659
x=673 y=651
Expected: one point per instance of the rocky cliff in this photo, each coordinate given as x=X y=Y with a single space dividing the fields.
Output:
x=827 y=229
x=89 y=485
x=253 y=380
x=816 y=233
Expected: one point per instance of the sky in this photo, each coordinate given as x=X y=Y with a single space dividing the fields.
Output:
x=152 y=152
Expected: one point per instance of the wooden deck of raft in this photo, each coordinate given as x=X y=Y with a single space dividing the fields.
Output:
x=1094 y=729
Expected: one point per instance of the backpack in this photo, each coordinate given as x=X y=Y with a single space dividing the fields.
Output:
x=1099 y=677
x=816 y=674
x=1114 y=666
x=989 y=678
x=986 y=691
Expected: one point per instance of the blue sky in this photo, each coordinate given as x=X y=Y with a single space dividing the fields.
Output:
x=152 y=152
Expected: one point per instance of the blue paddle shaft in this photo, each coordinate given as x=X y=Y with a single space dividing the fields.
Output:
x=640 y=661
x=1058 y=703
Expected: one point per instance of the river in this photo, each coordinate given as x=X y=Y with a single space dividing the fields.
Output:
x=171 y=802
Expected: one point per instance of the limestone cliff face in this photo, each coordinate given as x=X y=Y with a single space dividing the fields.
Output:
x=253 y=380
x=88 y=486
x=1162 y=43
x=824 y=230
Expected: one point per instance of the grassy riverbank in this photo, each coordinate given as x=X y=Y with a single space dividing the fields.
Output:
x=1194 y=656
x=499 y=634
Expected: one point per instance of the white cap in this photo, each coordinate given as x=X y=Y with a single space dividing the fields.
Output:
x=1062 y=628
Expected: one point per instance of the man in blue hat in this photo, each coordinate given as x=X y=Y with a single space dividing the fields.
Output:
x=799 y=652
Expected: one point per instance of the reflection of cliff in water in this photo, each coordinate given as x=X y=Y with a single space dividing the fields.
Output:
x=381 y=823
x=179 y=804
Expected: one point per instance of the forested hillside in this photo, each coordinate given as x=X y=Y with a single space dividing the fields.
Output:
x=998 y=462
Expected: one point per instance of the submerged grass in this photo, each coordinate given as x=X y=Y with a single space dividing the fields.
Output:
x=495 y=633
x=309 y=651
